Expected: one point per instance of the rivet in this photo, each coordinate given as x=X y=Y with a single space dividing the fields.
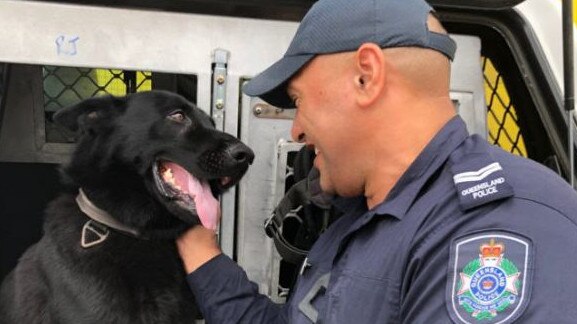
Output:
x=257 y=110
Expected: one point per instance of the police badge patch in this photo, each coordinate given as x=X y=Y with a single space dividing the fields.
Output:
x=489 y=277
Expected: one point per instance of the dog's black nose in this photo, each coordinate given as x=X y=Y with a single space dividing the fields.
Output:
x=240 y=153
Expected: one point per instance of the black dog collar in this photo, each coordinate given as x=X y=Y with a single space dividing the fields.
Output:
x=96 y=230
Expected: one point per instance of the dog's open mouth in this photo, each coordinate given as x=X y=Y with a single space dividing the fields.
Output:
x=190 y=193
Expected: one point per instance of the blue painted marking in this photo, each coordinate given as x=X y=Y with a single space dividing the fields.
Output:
x=66 y=45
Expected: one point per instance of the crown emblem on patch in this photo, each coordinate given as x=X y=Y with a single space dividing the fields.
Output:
x=492 y=250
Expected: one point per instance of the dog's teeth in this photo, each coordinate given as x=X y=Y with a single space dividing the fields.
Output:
x=177 y=187
x=167 y=174
x=316 y=150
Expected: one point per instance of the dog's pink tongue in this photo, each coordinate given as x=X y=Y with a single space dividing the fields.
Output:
x=206 y=204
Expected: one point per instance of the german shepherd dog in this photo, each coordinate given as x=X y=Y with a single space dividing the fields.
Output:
x=146 y=167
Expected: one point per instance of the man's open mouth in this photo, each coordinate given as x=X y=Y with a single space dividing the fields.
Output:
x=190 y=193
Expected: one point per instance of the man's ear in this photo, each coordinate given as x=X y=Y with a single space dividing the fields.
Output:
x=370 y=73
x=90 y=114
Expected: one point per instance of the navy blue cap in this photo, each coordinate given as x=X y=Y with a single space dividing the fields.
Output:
x=333 y=26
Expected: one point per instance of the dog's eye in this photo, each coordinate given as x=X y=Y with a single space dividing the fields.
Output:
x=177 y=116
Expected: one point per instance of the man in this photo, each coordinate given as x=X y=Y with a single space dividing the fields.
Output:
x=438 y=226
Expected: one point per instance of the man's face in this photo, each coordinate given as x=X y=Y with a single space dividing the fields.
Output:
x=325 y=119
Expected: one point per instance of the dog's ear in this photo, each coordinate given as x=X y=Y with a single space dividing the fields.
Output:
x=90 y=114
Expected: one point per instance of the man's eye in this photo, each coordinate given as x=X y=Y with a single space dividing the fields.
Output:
x=177 y=116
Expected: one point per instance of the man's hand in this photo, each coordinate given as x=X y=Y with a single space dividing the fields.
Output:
x=196 y=247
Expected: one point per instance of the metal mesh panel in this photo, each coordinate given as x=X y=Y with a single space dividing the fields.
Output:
x=502 y=120
x=65 y=86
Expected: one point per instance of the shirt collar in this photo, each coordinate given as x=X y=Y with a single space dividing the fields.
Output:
x=348 y=205
x=407 y=188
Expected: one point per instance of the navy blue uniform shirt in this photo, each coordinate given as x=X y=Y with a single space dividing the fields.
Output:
x=469 y=234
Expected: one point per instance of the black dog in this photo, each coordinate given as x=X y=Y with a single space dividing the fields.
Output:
x=145 y=167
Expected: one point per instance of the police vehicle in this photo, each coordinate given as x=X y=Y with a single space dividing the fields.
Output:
x=507 y=84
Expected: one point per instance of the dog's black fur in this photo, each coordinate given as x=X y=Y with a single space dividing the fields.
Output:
x=124 y=279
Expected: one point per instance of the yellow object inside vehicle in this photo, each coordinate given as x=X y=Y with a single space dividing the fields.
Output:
x=501 y=114
x=112 y=81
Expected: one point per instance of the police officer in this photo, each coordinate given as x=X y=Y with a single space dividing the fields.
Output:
x=438 y=225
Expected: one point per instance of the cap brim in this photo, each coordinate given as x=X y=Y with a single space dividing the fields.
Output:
x=270 y=85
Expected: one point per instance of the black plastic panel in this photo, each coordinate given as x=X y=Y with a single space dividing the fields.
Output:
x=4 y=71
x=26 y=190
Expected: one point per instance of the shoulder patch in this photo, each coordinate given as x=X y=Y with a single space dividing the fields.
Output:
x=489 y=277
x=479 y=181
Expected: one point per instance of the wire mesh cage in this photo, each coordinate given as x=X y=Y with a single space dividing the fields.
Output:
x=502 y=119
x=66 y=86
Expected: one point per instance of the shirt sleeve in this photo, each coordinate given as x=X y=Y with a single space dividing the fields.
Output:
x=533 y=246
x=224 y=294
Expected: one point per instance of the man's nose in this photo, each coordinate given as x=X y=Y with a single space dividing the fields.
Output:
x=297 y=132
